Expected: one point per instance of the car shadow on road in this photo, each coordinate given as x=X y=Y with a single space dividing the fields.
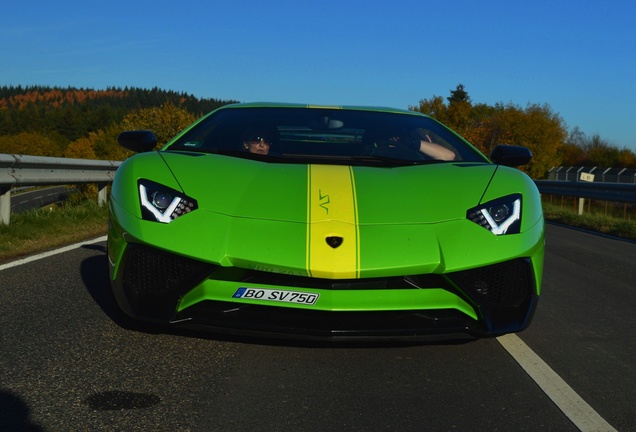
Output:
x=15 y=413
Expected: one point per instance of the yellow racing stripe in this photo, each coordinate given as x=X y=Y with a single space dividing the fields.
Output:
x=332 y=215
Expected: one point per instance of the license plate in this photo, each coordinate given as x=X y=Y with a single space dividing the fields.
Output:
x=276 y=295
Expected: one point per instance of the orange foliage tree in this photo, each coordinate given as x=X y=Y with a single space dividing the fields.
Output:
x=31 y=143
x=165 y=121
x=535 y=127
x=80 y=149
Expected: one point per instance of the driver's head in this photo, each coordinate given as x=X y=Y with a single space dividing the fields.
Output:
x=258 y=140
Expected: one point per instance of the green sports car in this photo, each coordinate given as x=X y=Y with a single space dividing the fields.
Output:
x=325 y=222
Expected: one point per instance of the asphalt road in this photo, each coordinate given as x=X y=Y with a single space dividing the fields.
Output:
x=69 y=361
x=37 y=198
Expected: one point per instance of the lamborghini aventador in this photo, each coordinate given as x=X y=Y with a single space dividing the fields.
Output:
x=325 y=222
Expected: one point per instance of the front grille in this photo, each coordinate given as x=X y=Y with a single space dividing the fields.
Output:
x=396 y=282
x=505 y=284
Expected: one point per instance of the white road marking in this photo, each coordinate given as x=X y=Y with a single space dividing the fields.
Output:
x=566 y=399
x=50 y=253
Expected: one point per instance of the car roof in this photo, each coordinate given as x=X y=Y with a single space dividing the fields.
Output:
x=318 y=106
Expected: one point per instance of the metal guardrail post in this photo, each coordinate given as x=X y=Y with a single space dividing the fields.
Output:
x=102 y=194
x=5 y=205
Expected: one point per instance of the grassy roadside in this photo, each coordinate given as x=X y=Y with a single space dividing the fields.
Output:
x=45 y=229
x=51 y=227
x=591 y=221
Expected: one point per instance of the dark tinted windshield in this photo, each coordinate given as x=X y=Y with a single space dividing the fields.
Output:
x=312 y=135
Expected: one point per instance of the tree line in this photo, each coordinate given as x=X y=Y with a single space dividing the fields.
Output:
x=84 y=123
x=536 y=126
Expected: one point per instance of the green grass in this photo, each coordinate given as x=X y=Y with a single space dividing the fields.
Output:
x=45 y=229
x=51 y=227
x=597 y=220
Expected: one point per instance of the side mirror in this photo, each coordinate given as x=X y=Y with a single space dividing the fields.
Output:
x=139 y=141
x=509 y=155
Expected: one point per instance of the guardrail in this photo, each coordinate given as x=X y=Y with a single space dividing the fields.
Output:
x=603 y=191
x=21 y=170
x=619 y=192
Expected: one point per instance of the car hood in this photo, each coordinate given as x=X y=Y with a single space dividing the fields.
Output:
x=360 y=195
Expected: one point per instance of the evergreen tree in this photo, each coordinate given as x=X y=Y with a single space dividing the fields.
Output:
x=459 y=95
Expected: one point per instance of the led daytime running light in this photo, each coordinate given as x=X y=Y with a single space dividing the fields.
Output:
x=178 y=205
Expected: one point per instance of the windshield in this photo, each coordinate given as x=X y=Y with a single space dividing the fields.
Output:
x=335 y=136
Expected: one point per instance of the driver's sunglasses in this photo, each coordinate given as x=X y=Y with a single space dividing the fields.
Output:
x=260 y=139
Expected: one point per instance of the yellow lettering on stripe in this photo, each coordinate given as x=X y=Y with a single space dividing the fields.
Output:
x=332 y=212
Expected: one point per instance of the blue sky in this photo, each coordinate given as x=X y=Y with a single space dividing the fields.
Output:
x=579 y=57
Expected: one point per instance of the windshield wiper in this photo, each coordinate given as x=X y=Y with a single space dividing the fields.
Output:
x=387 y=161
x=368 y=160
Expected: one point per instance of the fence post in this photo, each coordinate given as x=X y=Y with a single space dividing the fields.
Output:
x=5 y=205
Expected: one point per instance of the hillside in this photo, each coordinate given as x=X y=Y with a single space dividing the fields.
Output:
x=72 y=113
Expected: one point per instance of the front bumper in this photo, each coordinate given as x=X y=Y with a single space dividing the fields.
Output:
x=165 y=288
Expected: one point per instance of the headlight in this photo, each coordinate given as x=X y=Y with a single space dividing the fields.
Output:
x=163 y=204
x=501 y=216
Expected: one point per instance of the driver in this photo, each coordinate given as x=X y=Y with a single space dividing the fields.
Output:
x=258 y=140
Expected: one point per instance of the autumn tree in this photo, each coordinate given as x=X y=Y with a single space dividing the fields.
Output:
x=457 y=114
x=80 y=149
x=572 y=154
x=626 y=158
x=582 y=150
x=538 y=129
x=165 y=121
x=535 y=127
x=105 y=145
x=32 y=143
x=600 y=153
x=434 y=107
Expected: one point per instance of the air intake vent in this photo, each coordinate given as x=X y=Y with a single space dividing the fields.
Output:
x=503 y=284
x=154 y=272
